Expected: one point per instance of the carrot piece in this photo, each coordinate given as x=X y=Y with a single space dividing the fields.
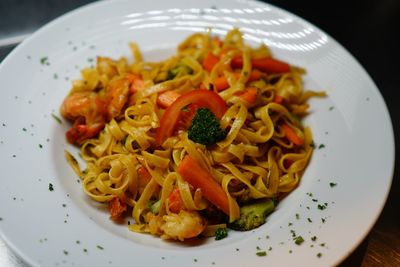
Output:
x=221 y=83
x=209 y=61
x=267 y=64
x=198 y=177
x=270 y=65
x=117 y=207
x=175 y=201
x=250 y=95
x=278 y=99
x=136 y=83
x=165 y=99
x=144 y=176
x=291 y=135
x=255 y=75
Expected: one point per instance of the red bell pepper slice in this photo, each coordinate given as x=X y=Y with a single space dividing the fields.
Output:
x=201 y=98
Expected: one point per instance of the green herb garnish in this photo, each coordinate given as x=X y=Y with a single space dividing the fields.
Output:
x=261 y=253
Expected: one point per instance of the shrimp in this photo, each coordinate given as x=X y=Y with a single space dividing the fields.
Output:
x=91 y=110
x=87 y=111
x=186 y=224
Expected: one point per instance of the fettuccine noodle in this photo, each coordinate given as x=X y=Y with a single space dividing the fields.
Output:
x=117 y=109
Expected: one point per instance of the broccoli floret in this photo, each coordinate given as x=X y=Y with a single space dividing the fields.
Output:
x=205 y=128
x=252 y=215
x=221 y=233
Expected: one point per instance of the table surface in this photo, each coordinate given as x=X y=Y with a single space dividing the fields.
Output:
x=366 y=28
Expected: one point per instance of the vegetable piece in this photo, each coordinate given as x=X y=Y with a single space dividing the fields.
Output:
x=221 y=233
x=291 y=135
x=209 y=61
x=179 y=69
x=278 y=99
x=205 y=128
x=175 y=201
x=165 y=99
x=144 y=177
x=252 y=215
x=136 y=83
x=155 y=206
x=221 y=83
x=267 y=64
x=198 y=177
x=117 y=207
x=250 y=95
x=202 y=98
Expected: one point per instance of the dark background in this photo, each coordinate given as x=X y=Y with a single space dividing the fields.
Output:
x=369 y=29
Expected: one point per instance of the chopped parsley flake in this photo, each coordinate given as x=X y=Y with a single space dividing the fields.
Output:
x=51 y=188
x=85 y=250
x=99 y=247
x=258 y=248
x=261 y=253
x=298 y=240
x=195 y=260
x=290 y=224
x=1 y=218
x=322 y=244
x=297 y=216
x=319 y=255
x=314 y=238
x=309 y=220
x=309 y=194
x=65 y=252
x=293 y=233
x=332 y=184
x=322 y=206
x=270 y=248
x=321 y=146
x=64 y=205
x=56 y=118
x=40 y=146
x=44 y=61
x=331 y=108
x=55 y=76
x=78 y=242
x=24 y=129
x=323 y=220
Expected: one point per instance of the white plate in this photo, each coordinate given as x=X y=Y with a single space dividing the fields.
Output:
x=64 y=227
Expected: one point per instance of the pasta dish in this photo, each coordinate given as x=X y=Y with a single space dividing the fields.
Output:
x=207 y=140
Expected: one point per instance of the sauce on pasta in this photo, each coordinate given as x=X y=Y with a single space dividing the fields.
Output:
x=133 y=122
